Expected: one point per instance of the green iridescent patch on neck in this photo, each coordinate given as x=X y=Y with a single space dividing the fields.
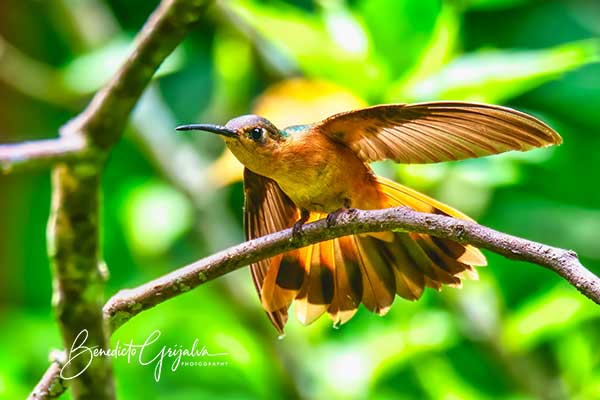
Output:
x=290 y=130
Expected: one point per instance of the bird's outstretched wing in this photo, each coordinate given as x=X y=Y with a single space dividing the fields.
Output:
x=436 y=131
x=267 y=209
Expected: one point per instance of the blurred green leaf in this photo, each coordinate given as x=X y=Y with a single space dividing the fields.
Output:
x=441 y=381
x=550 y=222
x=401 y=30
x=331 y=44
x=494 y=76
x=26 y=358
x=434 y=53
x=575 y=354
x=591 y=389
x=546 y=316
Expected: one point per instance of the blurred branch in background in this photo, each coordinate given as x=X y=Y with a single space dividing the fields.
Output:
x=41 y=153
x=31 y=77
x=86 y=24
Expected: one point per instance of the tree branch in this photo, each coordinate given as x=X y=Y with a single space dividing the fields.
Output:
x=51 y=386
x=130 y=302
x=73 y=229
x=40 y=153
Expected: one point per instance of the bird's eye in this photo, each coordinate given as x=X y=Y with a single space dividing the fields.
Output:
x=256 y=134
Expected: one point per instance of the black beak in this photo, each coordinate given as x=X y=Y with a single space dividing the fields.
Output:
x=218 y=129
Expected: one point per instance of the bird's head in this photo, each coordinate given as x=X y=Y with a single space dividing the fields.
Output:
x=252 y=139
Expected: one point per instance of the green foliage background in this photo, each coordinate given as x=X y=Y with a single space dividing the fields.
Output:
x=519 y=332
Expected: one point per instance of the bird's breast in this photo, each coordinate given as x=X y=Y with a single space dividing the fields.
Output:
x=324 y=177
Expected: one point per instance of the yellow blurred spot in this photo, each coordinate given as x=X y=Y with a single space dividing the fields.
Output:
x=300 y=101
x=225 y=170
x=290 y=102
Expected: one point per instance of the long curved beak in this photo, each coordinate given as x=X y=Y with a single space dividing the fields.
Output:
x=218 y=129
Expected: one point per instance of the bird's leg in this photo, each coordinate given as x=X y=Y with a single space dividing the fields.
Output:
x=297 y=228
x=333 y=216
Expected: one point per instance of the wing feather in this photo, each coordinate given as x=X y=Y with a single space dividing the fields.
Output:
x=267 y=209
x=436 y=131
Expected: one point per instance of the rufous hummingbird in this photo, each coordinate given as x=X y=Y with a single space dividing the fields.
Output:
x=306 y=172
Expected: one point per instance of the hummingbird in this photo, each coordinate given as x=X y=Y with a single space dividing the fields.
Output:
x=319 y=170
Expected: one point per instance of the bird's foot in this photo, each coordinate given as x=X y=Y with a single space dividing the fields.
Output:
x=297 y=228
x=332 y=217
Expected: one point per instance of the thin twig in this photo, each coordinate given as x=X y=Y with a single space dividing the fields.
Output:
x=40 y=153
x=51 y=386
x=33 y=78
x=130 y=302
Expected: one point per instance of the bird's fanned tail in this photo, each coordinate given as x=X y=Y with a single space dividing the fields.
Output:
x=337 y=275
